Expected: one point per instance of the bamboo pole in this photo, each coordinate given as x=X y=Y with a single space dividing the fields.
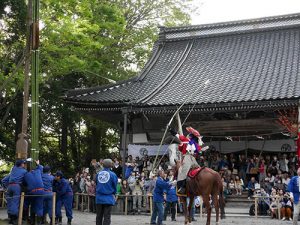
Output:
x=255 y=203
x=21 y=209
x=53 y=207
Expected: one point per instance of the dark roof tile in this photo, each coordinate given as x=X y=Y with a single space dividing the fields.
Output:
x=230 y=66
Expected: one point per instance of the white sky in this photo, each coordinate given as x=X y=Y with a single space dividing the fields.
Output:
x=211 y=11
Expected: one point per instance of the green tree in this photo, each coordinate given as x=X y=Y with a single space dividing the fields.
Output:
x=84 y=42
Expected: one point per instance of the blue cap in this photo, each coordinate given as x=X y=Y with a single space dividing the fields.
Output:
x=59 y=174
x=20 y=161
x=46 y=169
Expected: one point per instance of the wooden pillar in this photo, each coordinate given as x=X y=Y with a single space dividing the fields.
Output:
x=124 y=139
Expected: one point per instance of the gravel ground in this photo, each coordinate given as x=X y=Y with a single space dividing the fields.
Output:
x=89 y=219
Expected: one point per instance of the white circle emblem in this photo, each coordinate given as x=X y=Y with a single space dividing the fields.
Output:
x=103 y=177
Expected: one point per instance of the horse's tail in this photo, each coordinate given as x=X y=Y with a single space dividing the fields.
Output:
x=222 y=201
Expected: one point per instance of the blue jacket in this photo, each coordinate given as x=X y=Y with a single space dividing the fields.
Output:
x=62 y=188
x=171 y=194
x=106 y=188
x=5 y=181
x=158 y=192
x=251 y=185
x=17 y=175
x=48 y=181
x=293 y=187
x=33 y=179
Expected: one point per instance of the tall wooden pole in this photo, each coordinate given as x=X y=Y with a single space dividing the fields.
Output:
x=22 y=144
x=35 y=82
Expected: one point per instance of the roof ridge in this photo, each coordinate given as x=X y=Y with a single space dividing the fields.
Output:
x=170 y=75
x=151 y=62
x=191 y=31
x=92 y=90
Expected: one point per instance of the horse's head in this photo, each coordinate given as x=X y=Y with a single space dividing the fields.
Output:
x=176 y=167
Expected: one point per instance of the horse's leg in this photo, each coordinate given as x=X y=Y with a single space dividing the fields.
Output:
x=208 y=208
x=185 y=211
x=216 y=204
x=191 y=202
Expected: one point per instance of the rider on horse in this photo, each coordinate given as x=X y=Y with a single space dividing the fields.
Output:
x=189 y=147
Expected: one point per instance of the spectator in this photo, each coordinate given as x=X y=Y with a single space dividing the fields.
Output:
x=136 y=185
x=171 y=202
x=125 y=190
x=263 y=202
x=231 y=187
x=262 y=171
x=158 y=198
x=251 y=187
x=117 y=169
x=286 y=207
x=91 y=190
x=274 y=205
x=238 y=185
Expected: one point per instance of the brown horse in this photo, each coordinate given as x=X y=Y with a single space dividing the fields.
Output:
x=207 y=183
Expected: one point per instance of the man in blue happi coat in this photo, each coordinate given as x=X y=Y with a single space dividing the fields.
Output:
x=64 y=197
x=106 y=190
x=294 y=189
x=14 y=182
x=158 y=198
x=171 y=202
x=48 y=182
x=35 y=192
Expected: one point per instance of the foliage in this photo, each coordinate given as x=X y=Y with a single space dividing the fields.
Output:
x=83 y=42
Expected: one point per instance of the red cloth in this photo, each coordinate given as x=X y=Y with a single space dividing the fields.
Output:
x=193 y=172
x=184 y=142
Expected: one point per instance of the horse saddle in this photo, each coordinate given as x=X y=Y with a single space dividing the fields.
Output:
x=194 y=172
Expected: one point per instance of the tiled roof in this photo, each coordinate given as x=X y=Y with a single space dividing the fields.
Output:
x=243 y=61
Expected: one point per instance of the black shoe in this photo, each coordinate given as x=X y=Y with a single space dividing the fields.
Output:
x=11 y=217
x=59 y=220
x=173 y=219
x=69 y=221
x=39 y=220
x=14 y=220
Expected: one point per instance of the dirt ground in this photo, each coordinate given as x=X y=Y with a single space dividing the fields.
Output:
x=89 y=219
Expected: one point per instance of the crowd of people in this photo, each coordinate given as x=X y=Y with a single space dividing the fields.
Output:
x=255 y=174
x=267 y=176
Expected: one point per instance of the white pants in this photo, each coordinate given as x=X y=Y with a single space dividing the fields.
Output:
x=296 y=213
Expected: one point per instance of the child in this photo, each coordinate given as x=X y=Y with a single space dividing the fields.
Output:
x=238 y=185
x=231 y=186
